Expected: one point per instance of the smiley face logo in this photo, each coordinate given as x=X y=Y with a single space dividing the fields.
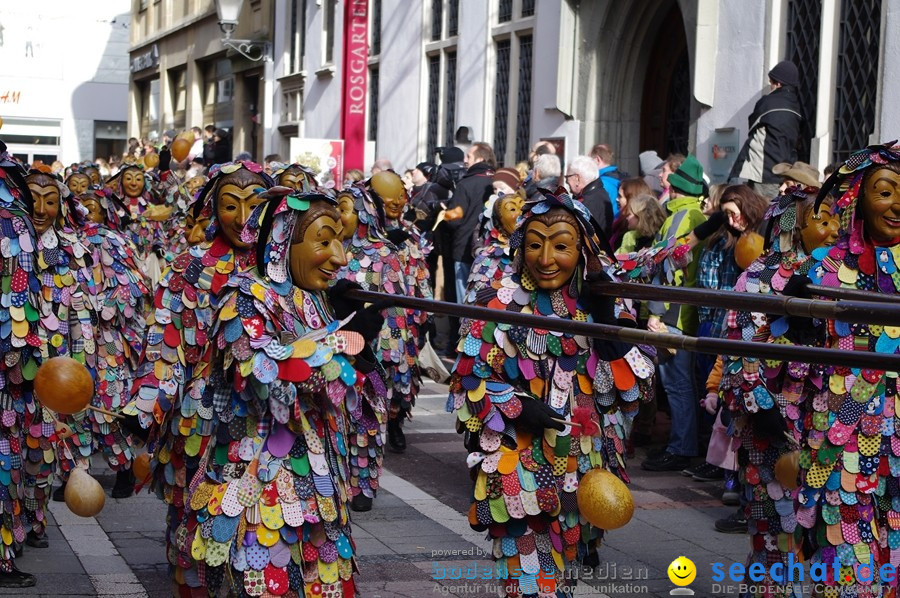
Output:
x=682 y=571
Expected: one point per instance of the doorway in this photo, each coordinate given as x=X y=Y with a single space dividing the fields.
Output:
x=666 y=100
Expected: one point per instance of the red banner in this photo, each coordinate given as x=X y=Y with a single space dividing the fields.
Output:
x=355 y=74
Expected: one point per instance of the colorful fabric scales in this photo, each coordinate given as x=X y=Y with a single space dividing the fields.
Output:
x=271 y=512
x=762 y=392
x=19 y=344
x=524 y=484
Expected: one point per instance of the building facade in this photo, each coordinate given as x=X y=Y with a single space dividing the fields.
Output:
x=182 y=75
x=666 y=75
x=59 y=104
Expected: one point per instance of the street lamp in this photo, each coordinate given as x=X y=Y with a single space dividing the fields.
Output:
x=229 y=12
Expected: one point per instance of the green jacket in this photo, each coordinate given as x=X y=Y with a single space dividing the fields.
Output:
x=684 y=215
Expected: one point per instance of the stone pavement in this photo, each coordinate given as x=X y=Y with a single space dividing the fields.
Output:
x=417 y=531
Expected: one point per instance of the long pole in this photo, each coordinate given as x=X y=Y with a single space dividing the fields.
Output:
x=863 y=312
x=839 y=293
x=715 y=346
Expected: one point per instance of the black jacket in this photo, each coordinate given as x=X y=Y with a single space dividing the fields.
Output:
x=221 y=152
x=472 y=191
x=425 y=200
x=773 y=135
x=596 y=200
x=209 y=153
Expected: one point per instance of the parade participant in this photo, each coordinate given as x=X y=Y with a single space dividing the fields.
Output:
x=512 y=386
x=19 y=345
x=764 y=396
x=501 y=214
x=274 y=495
x=120 y=294
x=180 y=195
x=66 y=327
x=848 y=483
x=148 y=219
x=196 y=221
x=387 y=255
x=134 y=187
x=346 y=204
x=170 y=381
x=193 y=185
x=94 y=173
x=78 y=182
x=295 y=176
x=366 y=447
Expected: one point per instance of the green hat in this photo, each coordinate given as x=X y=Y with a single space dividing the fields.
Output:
x=688 y=179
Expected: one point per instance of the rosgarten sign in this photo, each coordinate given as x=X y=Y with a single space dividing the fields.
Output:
x=354 y=86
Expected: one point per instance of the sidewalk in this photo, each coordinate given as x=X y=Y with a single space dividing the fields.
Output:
x=416 y=531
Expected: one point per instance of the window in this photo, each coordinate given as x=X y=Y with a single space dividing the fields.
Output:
x=450 y=100
x=178 y=88
x=501 y=98
x=523 y=110
x=296 y=35
x=440 y=62
x=224 y=82
x=109 y=138
x=434 y=93
x=149 y=105
x=453 y=18
x=376 y=27
x=504 y=14
x=328 y=25
x=804 y=22
x=437 y=19
x=513 y=66
x=373 y=103
x=292 y=102
x=527 y=8
x=375 y=7
x=857 y=76
x=218 y=91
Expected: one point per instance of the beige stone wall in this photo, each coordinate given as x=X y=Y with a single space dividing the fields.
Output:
x=187 y=36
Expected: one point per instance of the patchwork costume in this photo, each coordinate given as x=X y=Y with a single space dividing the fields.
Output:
x=66 y=327
x=761 y=393
x=492 y=259
x=849 y=497
x=174 y=375
x=525 y=483
x=267 y=512
x=19 y=343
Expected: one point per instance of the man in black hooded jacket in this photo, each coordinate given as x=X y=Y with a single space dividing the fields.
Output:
x=471 y=193
x=774 y=131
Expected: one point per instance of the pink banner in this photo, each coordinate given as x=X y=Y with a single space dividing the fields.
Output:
x=355 y=73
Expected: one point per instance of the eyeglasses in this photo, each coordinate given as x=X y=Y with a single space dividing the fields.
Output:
x=570 y=175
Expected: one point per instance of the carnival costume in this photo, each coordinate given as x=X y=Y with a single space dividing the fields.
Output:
x=172 y=378
x=295 y=176
x=19 y=343
x=492 y=258
x=179 y=197
x=148 y=218
x=849 y=498
x=764 y=395
x=120 y=300
x=66 y=328
x=270 y=514
x=388 y=256
x=525 y=480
